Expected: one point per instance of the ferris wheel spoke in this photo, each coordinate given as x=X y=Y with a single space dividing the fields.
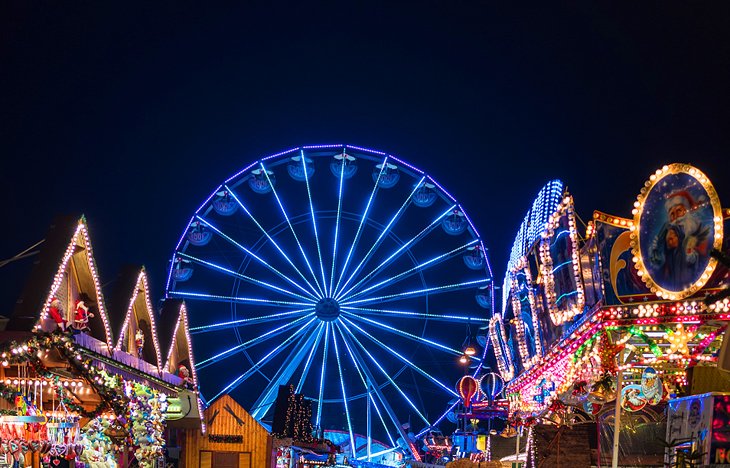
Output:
x=261 y=362
x=308 y=364
x=321 y=375
x=406 y=314
x=404 y=334
x=416 y=293
x=373 y=384
x=291 y=228
x=362 y=222
x=402 y=249
x=353 y=447
x=337 y=224
x=254 y=341
x=314 y=222
x=394 y=353
x=254 y=256
x=366 y=383
x=383 y=233
x=440 y=418
x=245 y=278
x=401 y=276
x=239 y=300
x=268 y=395
x=393 y=383
x=247 y=321
x=273 y=242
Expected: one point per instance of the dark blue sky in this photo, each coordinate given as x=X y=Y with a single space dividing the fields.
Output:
x=133 y=113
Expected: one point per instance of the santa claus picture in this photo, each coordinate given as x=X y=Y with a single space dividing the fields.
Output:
x=676 y=231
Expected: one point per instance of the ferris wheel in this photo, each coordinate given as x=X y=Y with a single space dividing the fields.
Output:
x=345 y=272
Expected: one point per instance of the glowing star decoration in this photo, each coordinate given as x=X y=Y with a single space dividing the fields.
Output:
x=561 y=314
x=677 y=221
x=678 y=340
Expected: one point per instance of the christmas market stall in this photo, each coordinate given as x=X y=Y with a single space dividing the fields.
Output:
x=72 y=393
x=603 y=323
x=233 y=439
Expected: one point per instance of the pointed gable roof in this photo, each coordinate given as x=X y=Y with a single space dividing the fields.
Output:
x=70 y=274
x=138 y=314
x=181 y=348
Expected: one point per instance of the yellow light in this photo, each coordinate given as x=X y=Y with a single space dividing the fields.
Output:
x=464 y=359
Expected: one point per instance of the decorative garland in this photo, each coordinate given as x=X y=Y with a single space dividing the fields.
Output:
x=139 y=409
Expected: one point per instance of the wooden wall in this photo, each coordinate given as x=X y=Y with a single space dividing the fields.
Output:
x=225 y=417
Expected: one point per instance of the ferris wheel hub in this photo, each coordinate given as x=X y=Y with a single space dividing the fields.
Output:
x=327 y=309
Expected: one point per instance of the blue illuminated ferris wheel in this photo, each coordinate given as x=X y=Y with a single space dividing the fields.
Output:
x=343 y=271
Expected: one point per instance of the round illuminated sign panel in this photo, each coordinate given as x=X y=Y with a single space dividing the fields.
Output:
x=677 y=222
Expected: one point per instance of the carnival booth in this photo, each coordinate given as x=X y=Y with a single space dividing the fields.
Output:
x=233 y=439
x=72 y=393
x=603 y=323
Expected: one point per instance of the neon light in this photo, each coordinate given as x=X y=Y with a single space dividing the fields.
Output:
x=353 y=447
x=392 y=382
x=380 y=238
x=307 y=365
x=396 y=354
x=337 y=225
x=243 y=277
x=405 y=274
x=468 y=220
x=403 y=333
x=321 y=377
x=314 y=222
x=366 y=150
x=407 y=165
x=364 y=382
x=415 y=239
x=251 y=254
x=274 y=243
x=362 y=221
x=400 y=313
x=288 y=221
x=442 y=189
x=244 y=170
x=246 y=321
x=418 y=292
x=253 y=341
x=259 y=364
x=240 y=300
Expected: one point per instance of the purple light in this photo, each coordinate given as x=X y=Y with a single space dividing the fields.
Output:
x=245 y=169
x=441 y=188
x=208 y=199
x=280 y=154
x=322 y=146
x=359 y=148
x=407 y=165
x=469 y=221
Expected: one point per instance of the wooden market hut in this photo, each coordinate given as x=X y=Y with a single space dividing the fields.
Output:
x=63 y=287
x=233 y=439
x=134 y=314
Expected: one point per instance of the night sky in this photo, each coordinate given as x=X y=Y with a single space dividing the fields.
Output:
x=133 y=113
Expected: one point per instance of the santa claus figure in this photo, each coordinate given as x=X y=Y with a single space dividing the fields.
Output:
x=82 y=316
x=56 y=313
x=139 y=342
x=184 y=373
